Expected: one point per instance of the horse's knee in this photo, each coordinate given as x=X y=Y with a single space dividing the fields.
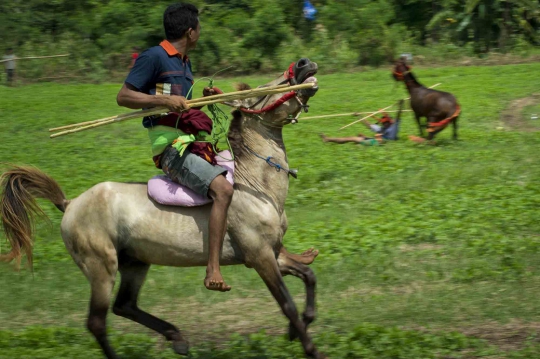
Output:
x=308 y=316
x=289 y=309
x=123 y=310
x=311 y=279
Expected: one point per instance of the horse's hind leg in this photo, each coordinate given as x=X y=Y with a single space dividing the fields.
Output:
x=100 y=269
x=288 y=266
x=267 y=267
x=133 y=274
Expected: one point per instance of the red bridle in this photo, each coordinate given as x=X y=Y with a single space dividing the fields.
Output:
x=400 y=76
x=289 y=75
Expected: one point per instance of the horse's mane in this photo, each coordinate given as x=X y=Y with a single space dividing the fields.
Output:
x=415 y=79
x=235 y=132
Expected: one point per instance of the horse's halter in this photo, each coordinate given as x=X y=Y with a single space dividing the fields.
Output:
x=400 y=76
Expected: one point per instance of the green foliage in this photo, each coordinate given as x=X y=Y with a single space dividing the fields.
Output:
x=261 y=35
x=366 y=341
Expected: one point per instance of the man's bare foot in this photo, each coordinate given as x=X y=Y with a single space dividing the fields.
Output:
x=214 y=281
x=417 y=139
x=322 y=136
x=306 y=257
x=309 y=255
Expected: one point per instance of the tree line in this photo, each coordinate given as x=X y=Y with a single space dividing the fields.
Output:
x=262 y=35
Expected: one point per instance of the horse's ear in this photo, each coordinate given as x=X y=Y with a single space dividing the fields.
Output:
x=242 y=86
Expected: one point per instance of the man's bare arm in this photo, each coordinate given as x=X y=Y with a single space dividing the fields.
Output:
x=129 y=97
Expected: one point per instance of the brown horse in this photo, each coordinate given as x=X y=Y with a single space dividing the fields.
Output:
x=438 y=107
x=117 y=227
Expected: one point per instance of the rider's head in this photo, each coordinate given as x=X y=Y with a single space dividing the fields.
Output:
x=182 y=20
x=386 y=121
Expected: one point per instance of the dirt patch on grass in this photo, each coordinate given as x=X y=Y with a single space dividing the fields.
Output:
x=420 y=247
x=513 y=115
x=507 y=337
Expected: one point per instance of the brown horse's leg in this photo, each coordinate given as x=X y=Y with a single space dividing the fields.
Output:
x=455 y=128
x=133 y=275
x=432 y=134
x=307 y=257
x=419 y=125
x=267 y=267
x=101 y=273
x=288 y=266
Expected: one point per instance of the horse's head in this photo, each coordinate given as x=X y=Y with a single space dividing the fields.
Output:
x=400 y=70
x=282 y=108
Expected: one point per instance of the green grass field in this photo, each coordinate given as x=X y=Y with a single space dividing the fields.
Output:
x=426 y=251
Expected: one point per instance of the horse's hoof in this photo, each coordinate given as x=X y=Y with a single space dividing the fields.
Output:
x=180 y=347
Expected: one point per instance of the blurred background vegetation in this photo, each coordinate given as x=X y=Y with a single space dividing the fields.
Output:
x=261 y=36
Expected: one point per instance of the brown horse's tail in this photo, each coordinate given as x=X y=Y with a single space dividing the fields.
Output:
x=21 y=185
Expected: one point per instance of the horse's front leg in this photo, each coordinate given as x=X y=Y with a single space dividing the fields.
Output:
x=288 y=266
x=417 y=117
x=266 y=265
x=455 y=128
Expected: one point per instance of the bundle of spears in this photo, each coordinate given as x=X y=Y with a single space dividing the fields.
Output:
x=199 y=102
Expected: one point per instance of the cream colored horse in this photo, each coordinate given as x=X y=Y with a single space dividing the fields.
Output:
x=116 y=227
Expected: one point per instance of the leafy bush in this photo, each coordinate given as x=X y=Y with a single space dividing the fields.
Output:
x=366 y=341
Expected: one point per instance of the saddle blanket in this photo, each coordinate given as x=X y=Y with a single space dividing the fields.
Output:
x=164 y=191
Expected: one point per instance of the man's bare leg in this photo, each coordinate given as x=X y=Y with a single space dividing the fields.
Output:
x=221 y=192
x=354 y=139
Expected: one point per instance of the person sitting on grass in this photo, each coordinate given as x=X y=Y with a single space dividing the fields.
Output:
x=386 y=130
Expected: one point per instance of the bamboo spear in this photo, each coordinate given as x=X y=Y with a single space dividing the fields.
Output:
x=346 y=114
x=238 y=95
x=34 y=57
x=382 y=110
x=193 y=103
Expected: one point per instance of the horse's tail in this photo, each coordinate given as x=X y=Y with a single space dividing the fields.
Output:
x=18 y=207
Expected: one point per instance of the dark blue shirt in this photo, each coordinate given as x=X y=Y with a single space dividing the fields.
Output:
x=161 y=70
x=389 y=133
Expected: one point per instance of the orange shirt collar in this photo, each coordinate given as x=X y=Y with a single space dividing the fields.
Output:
x=171 y=50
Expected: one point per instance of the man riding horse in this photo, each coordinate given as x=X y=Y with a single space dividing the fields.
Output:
x=162 y=76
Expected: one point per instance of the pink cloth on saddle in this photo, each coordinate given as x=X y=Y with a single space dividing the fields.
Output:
x=164 y=191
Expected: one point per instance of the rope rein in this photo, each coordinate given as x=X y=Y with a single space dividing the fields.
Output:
x=220 y=119
x=269 y=161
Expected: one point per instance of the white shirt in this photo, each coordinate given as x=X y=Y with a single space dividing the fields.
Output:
x=10 y=65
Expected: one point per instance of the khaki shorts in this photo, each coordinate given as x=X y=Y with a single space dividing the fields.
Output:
x=190 y=170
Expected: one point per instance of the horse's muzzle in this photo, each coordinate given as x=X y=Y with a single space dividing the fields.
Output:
x=304 y=71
